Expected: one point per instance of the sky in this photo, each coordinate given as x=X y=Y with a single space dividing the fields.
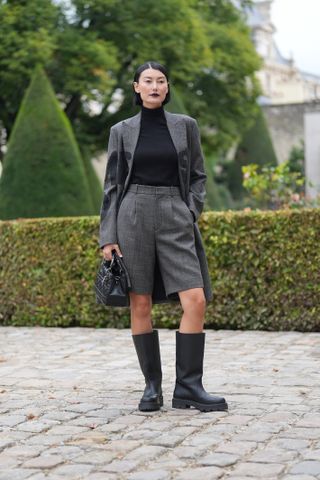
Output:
x=298 y=31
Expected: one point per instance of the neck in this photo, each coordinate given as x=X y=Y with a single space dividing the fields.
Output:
x=151 y=112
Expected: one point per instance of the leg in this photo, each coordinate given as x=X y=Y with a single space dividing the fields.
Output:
x=193 y=304
x=190 y=340
x=140 y=310
x=146 y=342
x=136 y=241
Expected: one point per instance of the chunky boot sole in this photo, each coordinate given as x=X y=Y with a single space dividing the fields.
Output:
x=180 y=403
x=150 y=406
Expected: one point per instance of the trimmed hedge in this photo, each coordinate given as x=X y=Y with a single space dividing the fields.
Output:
x=43 y=172
x=265 y=272
x=255 y=147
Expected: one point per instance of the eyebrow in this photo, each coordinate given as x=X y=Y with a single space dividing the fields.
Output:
x=157 y=77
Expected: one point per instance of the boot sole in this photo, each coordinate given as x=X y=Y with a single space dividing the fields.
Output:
x=150 y=406
x=178 y=403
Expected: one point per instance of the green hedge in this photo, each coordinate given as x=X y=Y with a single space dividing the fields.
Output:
x=265 y=272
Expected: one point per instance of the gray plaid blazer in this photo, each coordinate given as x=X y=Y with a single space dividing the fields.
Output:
x=123 y=139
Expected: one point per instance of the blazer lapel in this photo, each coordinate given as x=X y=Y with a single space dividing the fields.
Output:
x=130 y=135
x=178 y=130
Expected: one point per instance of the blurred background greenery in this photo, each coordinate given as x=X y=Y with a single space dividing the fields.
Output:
x=66 y=72
x=85 y=52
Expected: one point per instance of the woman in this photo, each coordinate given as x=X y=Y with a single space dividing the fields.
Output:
x=153 y=195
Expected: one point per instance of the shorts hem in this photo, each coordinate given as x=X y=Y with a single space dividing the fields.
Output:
x=140 y=293
x=177 y=290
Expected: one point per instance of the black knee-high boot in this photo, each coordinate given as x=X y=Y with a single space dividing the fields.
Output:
x=148 y=351
x=189 y=370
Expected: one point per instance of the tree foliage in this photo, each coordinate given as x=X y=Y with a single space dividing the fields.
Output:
x=92 y=48
x=254 y=147
x=80 y=65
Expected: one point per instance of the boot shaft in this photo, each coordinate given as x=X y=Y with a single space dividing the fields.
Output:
x=148 y=351
x=189 y=355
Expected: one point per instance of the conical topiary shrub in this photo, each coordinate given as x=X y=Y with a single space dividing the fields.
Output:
x=95 y=187
x=43 y=172
x=255 y=147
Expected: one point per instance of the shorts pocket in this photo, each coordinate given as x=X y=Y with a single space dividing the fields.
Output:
x=127 y=208
x=181 y=209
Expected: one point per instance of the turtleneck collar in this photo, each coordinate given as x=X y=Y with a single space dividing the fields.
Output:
x=152 y=112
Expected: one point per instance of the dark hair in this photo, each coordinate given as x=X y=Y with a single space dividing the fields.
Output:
x=156 y=66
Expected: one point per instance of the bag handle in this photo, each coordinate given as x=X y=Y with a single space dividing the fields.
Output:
x=122 y=266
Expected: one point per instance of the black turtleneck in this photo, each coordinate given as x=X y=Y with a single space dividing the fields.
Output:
x=155 y=160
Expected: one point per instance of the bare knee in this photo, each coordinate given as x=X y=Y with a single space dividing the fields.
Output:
x=141 y=305
x=193 y=300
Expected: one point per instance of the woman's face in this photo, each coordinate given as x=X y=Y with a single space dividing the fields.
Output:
x=153 y=87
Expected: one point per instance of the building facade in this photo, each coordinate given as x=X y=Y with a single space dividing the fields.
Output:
x=281 y=80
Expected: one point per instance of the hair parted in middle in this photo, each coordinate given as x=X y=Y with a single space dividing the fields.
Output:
x=156 y=66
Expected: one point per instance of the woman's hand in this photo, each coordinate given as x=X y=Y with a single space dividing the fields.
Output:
x=107 y=249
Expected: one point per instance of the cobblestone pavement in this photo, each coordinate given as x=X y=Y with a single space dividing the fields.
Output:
x=68 y=408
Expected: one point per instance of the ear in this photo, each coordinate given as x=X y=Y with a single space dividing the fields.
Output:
x=136 y=87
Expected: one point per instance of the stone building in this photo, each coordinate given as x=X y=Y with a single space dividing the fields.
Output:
x=291 y=97
x=282 y=81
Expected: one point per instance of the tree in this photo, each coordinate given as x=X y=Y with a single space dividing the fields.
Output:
x=80 y=65
x=43 y=173
x=207 y=48
x=255 y=147
x=224 y=95
x=27 y=37
x=93 y=49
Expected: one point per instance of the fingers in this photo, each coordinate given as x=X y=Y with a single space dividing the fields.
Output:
x=107 y=251
x=118 y=250
x=107 y=256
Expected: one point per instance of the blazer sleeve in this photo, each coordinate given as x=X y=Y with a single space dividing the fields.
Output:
x=198 y=177
x=108 y=211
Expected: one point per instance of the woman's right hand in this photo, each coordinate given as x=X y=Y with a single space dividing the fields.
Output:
x=107 y=249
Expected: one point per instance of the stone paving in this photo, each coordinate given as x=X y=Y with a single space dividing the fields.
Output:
x=68 y=408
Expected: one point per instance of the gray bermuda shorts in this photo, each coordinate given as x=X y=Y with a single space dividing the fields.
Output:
x=155 y=222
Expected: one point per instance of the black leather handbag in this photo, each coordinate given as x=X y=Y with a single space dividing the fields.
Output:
x=112 y=282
